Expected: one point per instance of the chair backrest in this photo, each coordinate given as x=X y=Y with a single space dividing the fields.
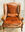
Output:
x=13 y=8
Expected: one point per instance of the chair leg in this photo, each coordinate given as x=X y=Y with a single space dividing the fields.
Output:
x=21 y=27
